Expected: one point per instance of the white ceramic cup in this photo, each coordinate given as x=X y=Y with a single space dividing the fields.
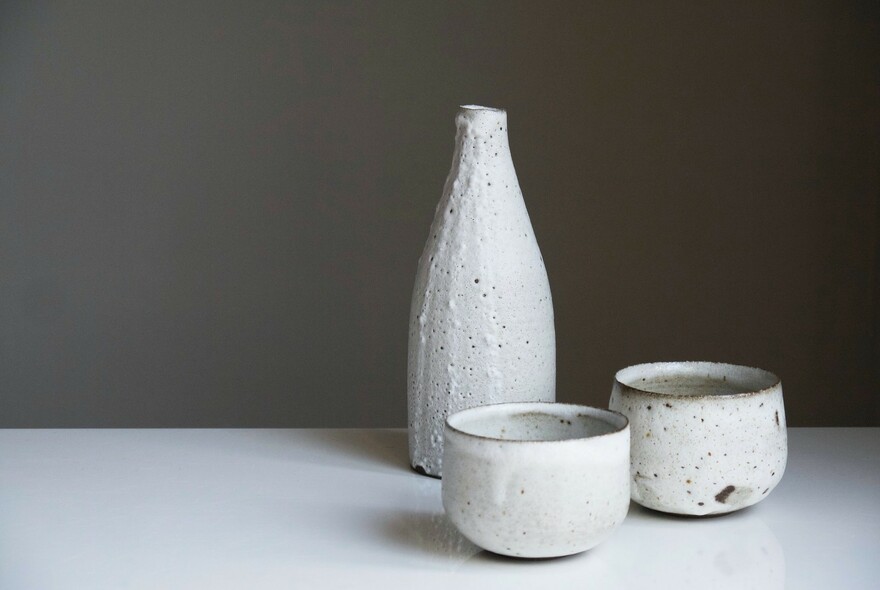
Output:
x=536 y=479
x=707 y=438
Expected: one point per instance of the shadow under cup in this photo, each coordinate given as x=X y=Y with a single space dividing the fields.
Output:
x=707 y=438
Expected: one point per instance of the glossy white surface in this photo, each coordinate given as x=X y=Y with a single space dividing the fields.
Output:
x=341 y=509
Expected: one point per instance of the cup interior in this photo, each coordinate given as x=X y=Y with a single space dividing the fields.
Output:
x=696 y=379
x=536 y=422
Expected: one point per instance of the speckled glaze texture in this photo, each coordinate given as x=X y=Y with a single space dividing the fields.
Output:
x=707 y=438
x=536 y=479
x=481 y=321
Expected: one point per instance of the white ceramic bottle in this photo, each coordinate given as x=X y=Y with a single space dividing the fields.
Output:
x=481 y=321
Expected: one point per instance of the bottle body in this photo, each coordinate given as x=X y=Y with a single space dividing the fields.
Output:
x=481 y=320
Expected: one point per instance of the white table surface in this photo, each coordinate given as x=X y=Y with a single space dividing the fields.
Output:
x=341 y=509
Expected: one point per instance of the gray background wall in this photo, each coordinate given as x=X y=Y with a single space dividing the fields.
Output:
x=211 y=212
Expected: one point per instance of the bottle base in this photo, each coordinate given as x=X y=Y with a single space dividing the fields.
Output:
x=421 y=471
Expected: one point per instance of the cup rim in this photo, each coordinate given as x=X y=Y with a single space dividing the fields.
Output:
x=775 y=381
x=600 y=413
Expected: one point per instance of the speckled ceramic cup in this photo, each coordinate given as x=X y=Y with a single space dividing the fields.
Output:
x=707 y=438
x=536 y=479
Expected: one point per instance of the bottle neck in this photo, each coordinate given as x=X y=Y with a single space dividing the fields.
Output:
x=481 y=133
